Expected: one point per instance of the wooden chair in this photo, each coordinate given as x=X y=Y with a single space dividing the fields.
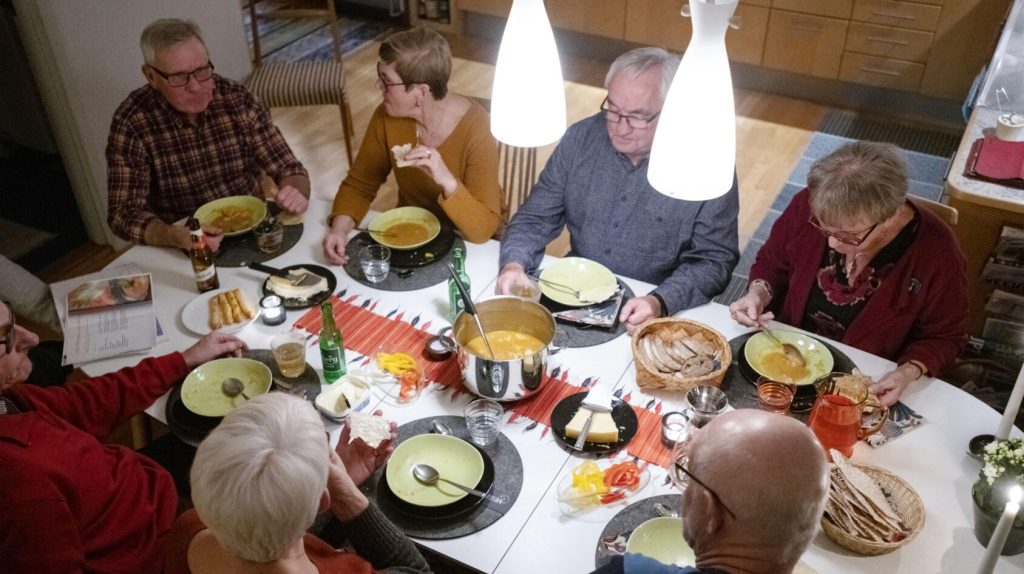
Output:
x=294 y=10
x=310 y=83
x=517 y=170
x=945 y=212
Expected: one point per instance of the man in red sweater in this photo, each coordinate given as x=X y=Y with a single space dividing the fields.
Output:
x=67 y=502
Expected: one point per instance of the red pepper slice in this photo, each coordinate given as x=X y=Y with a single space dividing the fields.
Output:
x=624 y=474
x=612 y=497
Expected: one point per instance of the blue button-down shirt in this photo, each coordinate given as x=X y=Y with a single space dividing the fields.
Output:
x=615 y=217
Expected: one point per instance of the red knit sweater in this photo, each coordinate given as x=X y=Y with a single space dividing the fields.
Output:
x=70 y=504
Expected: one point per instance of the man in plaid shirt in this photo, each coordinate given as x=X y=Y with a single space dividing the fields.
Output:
x=188 y=137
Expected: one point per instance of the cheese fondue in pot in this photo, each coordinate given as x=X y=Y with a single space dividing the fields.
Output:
x=507 y=345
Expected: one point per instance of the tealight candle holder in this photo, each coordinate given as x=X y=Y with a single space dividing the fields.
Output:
x=272 y=310
x=673 y=424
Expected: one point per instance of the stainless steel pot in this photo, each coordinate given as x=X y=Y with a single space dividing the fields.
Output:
x=512 y=379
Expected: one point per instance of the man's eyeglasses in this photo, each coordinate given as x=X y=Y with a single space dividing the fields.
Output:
x=840 y=237
x=634 y=122
x=384 y=81
x=180 y=79
x=9 y=337
x=679 y=467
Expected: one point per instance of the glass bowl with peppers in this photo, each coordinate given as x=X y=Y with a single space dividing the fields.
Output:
x=601 y=484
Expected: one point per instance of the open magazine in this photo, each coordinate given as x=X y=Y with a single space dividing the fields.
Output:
x=106 y=314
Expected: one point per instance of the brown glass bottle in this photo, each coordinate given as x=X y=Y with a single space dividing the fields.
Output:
x=202 y=259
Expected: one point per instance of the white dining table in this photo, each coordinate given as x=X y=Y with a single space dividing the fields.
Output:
x=535 y=535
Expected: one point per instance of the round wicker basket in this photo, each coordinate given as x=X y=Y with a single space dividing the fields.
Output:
x=649 y=377
x=904 y=500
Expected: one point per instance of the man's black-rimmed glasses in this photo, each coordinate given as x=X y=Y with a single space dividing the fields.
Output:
x=180 y=79
x=683 y=470
x=634 y=122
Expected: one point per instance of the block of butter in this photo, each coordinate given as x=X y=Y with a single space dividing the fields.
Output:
x=602 y=428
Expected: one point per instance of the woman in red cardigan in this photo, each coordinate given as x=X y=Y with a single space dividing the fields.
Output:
x=853 y=260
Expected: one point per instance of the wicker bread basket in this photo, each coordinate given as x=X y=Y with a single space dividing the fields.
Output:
x=649 y=377
x=904 y=500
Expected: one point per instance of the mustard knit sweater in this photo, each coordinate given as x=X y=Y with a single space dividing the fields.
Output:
x=471 y=154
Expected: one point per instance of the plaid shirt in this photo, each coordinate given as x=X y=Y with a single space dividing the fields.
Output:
x=158 y=165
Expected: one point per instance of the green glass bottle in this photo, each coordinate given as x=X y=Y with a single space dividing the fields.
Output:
x=455 y=303
x=332 y=347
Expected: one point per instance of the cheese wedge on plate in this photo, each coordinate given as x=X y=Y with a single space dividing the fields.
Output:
x=602 y=429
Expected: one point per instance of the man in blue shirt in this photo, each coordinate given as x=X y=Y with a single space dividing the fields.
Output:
x=596 y=184
x=756 y=488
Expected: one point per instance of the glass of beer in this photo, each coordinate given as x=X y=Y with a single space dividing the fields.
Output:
x=289 y=350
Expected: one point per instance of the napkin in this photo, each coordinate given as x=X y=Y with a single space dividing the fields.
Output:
x=902 y=419
x=604 y=314
x=598 y=399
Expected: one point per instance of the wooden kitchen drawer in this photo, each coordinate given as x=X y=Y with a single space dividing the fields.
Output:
x=881 y=72
x=833 y=8
x=673 y=32
x=598 y=17
x=499 y=8
x=804 y=44
x=901 y=14
x=889 y=42
x=765 y=3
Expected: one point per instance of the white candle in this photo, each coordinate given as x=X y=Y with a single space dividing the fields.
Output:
x=995 y=544
x=1012 y=407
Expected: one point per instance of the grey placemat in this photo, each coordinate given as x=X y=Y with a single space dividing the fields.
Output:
x=632 y=516
x=241 y=250
x=400 y=279
x=306 y=385
x=739 y=381
x=575 y=335
x=508 y=480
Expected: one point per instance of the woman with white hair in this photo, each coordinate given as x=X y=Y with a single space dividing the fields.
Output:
x=259 y=480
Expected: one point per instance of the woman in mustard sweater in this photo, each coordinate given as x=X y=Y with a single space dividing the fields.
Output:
x=452 y=166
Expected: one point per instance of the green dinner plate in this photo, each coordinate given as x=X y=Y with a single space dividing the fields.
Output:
x=817 y=358
x=662 y=539
x=256 y=207
x=454 y=459
x=577 y=274
x=201 y=391
x=399 y=215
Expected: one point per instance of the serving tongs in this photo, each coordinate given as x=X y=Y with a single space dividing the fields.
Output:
x=470 y=307
x=296 y=278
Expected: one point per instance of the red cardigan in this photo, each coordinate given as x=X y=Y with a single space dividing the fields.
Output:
x=919 y=313
x=70 y=504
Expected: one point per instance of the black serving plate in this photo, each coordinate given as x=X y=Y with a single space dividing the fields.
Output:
x=185 y=424
x=292 y=303
x=622 y=414
x=433 y=251
x=457 y=508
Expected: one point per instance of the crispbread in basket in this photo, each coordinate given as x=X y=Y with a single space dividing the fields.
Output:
x=649 y=377
x=904 y=500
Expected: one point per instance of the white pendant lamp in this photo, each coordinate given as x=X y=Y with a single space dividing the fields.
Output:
x=694 y=151
x=528 y=97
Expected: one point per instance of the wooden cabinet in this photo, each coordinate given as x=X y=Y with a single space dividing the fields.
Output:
x=597 y=17
x=902 y=14
x=805 y=44
x=964 y=42
x=882 y=72
x=889 y=42
x=745 y=44
x=498 y=8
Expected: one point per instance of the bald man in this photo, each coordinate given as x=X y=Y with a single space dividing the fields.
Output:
x=756 y=520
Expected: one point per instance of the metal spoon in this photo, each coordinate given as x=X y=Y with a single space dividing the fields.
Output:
x=232 y=387
x=439 y=427
x=665 y=511
x=429 y=475
x=792 y=353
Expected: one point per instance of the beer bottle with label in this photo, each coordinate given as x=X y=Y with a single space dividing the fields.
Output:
x=332 y=347
x=202 y=259
x=455 y=303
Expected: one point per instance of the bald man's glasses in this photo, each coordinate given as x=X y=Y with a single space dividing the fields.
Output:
x=180 y=79
x=9 y=337
x=637 y=123
x=682 y=469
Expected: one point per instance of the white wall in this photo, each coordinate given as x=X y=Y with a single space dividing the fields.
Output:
x=86 y=57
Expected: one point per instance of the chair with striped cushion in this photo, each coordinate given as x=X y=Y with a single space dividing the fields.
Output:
x=290 y=84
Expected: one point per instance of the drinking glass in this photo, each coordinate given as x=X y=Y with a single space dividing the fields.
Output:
x=269 y=235
x=289 y=350
x=774 y=396
x=483 y=419
x=376 y=263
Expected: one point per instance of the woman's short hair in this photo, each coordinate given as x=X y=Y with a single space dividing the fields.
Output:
x=420 y=56
x=167 y=32
x=866 y=179
x=258 y=477
x=638 y=61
